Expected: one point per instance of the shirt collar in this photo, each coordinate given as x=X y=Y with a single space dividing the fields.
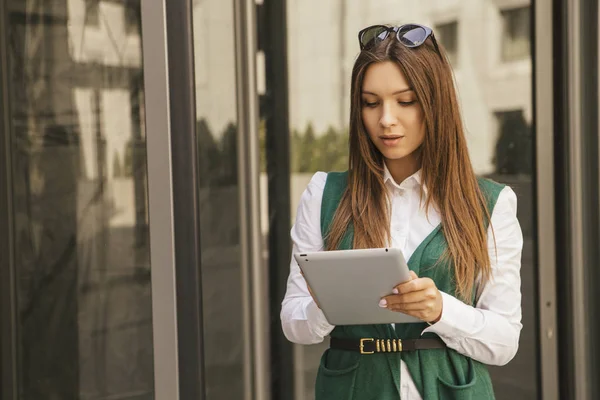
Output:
x=411 y=182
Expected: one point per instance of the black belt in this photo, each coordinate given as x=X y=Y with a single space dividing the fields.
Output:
x=372 y=346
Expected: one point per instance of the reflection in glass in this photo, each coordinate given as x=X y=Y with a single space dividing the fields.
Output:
x=92 y=13
x=79 y=195
x=219 y=198
x=516 y=41
x=496 y=105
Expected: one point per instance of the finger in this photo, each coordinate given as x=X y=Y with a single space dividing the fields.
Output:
x=420 y=314
x=423 y=315
x=411 y=297
x=415 y=285
x=419 y=306
x=413 y=275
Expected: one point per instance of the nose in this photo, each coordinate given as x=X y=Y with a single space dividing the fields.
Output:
x=388 y=119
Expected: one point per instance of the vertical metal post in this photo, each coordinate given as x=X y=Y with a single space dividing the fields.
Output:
x=186 y=204
x=275 y=111
x=546 y=239
x=8 y=310
x=160 y=199
x=173 y=198
x=588 y=31
x=577 y=251
x=254 y=273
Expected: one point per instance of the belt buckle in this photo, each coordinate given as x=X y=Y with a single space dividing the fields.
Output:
x=362 y=345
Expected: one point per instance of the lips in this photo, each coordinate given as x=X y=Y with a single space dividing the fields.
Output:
x=391 y=140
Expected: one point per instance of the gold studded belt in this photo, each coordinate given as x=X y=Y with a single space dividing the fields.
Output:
x=372 y=346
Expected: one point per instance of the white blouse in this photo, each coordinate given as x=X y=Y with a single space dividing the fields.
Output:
x=488 y=333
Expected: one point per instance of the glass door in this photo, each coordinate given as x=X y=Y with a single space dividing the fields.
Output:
x=234 y=280
x=79 y=293
x=219 y=198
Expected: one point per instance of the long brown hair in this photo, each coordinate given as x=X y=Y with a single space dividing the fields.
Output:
x=446 y=167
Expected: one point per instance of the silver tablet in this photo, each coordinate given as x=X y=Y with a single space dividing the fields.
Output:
x=348 y=284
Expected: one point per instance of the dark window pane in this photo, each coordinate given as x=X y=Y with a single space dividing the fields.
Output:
x=447 y=35
x=92 y=12
x=514 y=145
x=516 y=40
x=132 y=17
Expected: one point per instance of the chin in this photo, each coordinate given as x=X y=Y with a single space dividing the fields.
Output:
x=394 y=155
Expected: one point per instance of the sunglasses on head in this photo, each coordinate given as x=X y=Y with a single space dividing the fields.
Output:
x=410 y=35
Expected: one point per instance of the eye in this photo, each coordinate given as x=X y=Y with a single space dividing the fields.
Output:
x=370 y=104
x=407 y=103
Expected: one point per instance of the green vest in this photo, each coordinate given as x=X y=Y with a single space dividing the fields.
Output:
x=438 y=373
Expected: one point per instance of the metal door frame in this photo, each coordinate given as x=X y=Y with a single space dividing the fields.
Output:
x=173 y=199
x=272 y=41
x=8 y=326
x=580 y=105
x=546 y=239
x=174 y=206
x=255 y=283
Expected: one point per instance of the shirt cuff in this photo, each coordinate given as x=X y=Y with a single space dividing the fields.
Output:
x=316 y=319
x=455 y=316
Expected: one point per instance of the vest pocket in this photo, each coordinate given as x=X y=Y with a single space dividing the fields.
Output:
x=336 y=375
x=459 y=391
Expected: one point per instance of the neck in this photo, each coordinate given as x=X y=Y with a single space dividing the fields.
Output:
x=402 y=168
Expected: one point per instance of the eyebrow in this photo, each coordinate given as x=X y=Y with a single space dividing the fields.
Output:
x=395 y=93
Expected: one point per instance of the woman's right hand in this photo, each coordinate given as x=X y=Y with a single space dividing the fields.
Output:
x=310 y=291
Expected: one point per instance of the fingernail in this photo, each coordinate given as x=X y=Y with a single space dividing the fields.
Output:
x=395 y=291
x=383 y=303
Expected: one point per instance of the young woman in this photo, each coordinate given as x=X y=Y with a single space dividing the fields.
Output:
x=410 y=184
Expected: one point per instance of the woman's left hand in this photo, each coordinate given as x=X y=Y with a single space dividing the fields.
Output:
x=418 y=297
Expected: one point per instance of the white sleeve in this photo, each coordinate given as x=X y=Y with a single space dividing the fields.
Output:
x=490 y=332
x=302 y=321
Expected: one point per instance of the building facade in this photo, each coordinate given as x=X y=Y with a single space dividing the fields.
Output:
x=155 y=153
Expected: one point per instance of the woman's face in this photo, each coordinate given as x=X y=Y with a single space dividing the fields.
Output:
x=391 y=114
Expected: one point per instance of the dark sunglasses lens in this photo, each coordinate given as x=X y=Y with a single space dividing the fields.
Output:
x=413 y=36
x=373 y=35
